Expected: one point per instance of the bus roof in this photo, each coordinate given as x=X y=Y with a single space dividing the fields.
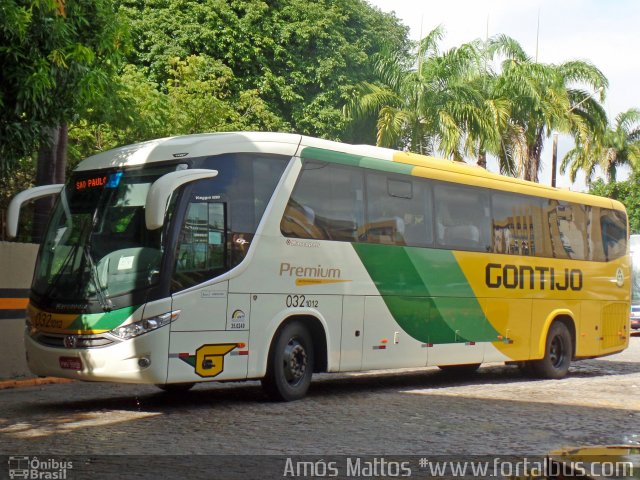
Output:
x=191 y=146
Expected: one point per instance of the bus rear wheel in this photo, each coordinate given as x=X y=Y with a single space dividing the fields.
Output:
x=557 y=354
x=290 y=364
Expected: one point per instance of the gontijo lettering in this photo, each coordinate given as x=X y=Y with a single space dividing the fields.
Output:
x=532 y=278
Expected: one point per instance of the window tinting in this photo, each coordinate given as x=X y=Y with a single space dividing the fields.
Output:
x=462 y=217
x=398 y=211
x=400 y=188
x=568 y=229
x=516 y=225
x=326 y=204
x=228 y=207
x=246 y=181
x=583 y=232
x=201 y=245
x=613 y=225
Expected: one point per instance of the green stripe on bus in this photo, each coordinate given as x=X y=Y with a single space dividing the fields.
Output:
x=427 y=293
x=102 y=321
x=319 y=154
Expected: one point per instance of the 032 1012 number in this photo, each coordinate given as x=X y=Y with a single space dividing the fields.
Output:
x=297 y=301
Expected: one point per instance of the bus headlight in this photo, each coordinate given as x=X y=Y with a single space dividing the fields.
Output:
x=125 y=332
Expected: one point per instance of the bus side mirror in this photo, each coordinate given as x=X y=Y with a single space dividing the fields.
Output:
x=13 y=212
x=160 y=191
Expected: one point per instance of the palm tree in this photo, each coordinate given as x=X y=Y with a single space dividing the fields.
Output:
x=618 y=146
x=543 y=98
x=432 y=101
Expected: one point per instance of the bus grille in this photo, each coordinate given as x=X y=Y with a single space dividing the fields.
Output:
x=87 y=341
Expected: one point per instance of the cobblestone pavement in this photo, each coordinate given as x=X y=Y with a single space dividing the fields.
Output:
x=409 y=412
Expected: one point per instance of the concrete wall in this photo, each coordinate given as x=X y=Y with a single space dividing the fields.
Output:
x=16 y=270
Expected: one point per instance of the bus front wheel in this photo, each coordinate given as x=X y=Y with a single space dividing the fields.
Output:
x=290 y=364
x=557 y=354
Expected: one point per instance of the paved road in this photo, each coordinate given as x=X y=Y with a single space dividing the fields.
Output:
x=417 y=412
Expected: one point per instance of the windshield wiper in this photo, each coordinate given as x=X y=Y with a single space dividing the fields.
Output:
x=68 y=260
x=105 y=302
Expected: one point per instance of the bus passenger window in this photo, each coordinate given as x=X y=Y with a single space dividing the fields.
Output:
x=326 y=203
x=614 y=233
x=299 y=221
x=516 y=224
x=398 y=211
x=462 y=218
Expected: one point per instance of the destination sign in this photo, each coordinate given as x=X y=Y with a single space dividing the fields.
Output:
x=108 y=181
x=93 y=182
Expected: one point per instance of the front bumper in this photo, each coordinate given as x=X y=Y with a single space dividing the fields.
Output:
x=141 y=359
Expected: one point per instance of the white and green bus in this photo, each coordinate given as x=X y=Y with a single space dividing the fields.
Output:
x=271 y=256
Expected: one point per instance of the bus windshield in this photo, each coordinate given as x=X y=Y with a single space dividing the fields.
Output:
x=97 y=245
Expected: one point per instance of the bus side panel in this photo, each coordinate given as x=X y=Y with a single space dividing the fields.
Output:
x=604 y=328
x=615 y=327
x=385 y=343
x=203 y=345
x=588 y=342
x=455 y=334
x=512 y=319
x=202 y=308
x=208 y=355
x=270 y=311
x=352 y=333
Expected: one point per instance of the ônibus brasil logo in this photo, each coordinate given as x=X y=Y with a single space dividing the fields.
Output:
x=41 y=469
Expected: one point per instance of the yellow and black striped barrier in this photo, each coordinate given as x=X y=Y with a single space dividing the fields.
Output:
x=13 y=303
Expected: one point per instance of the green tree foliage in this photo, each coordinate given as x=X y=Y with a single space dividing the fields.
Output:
x=195 y=98
x=627 y=192
x=424 y=101
x=435 y=102
x=457 y=103
x=55 y=57
x=544 y=98
x=618 y=146
x=287 y=64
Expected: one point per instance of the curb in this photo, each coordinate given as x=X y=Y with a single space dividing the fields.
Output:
x=32 y=382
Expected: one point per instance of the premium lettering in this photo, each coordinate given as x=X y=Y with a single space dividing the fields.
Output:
x=524 y=277
x=286 y=269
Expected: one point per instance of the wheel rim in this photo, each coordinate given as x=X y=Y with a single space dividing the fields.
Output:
x=557 y=351
x=294 y=362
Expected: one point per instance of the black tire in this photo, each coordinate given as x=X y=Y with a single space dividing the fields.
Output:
x=466 y=369
x=290 y=364
x=175 y=387
x=557 y=354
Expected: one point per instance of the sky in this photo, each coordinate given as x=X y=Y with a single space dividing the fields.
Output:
x=603 y=32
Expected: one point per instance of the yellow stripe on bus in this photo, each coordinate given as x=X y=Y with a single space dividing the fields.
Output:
x=317 y=281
